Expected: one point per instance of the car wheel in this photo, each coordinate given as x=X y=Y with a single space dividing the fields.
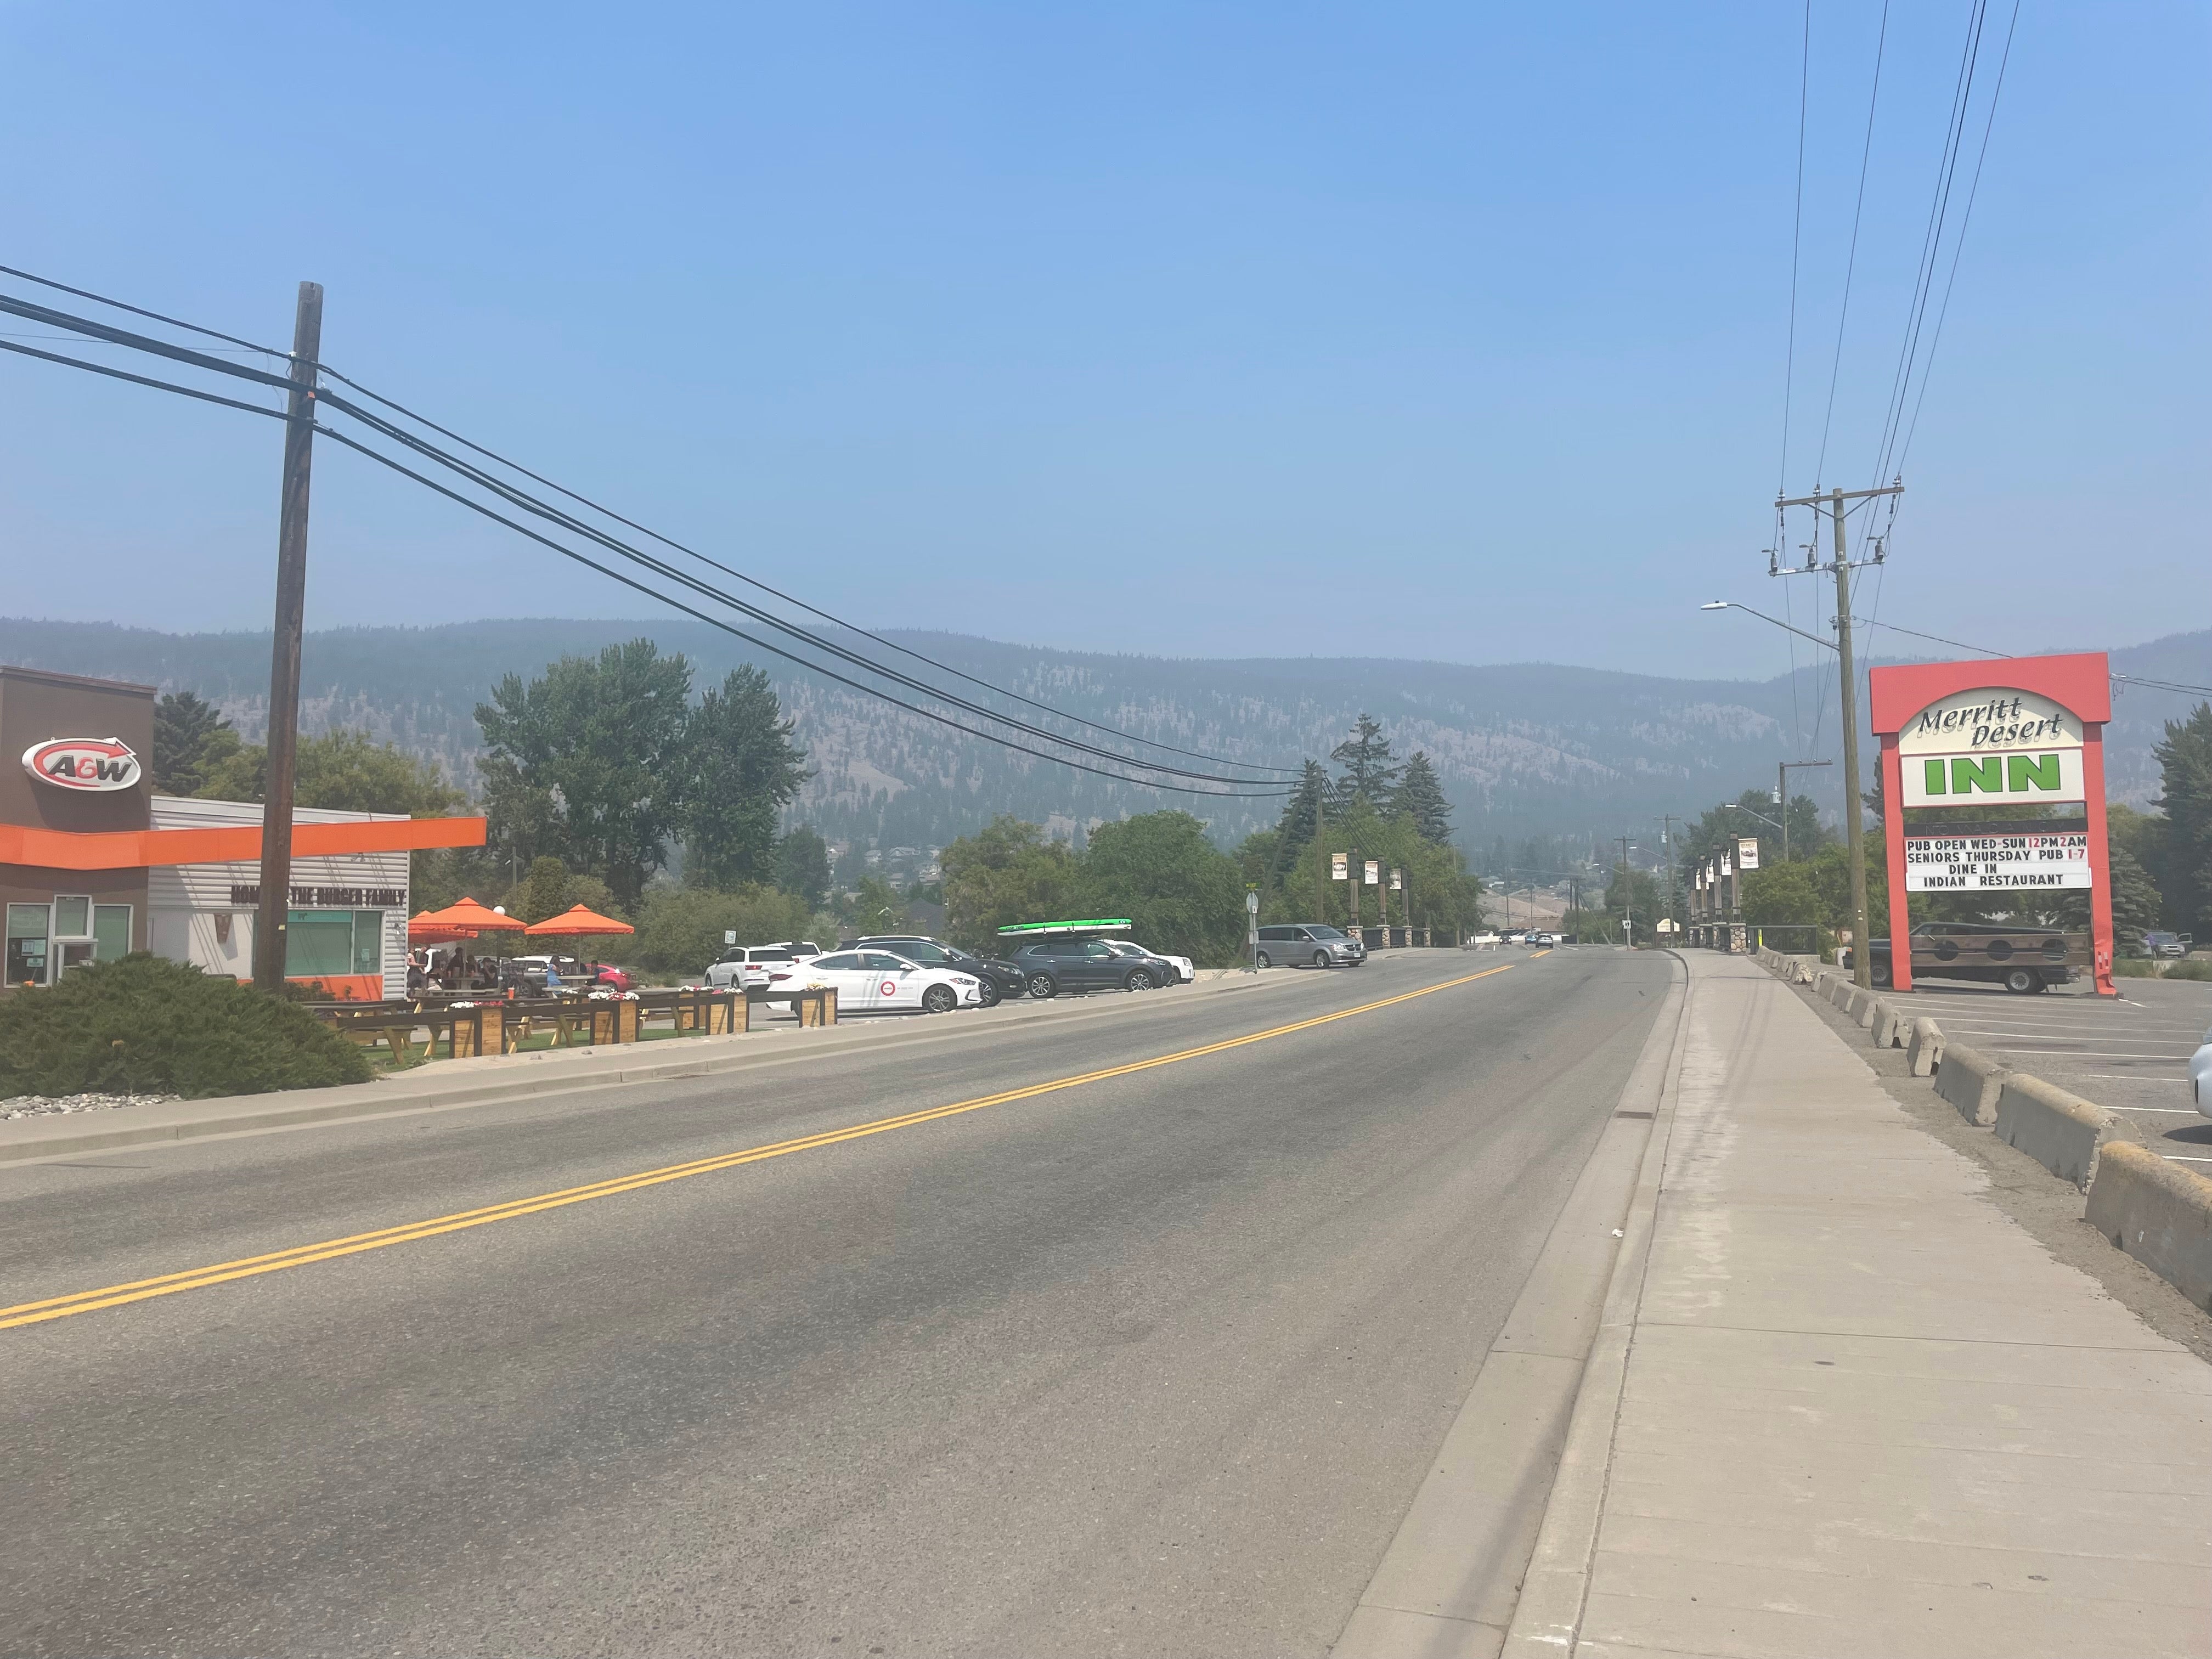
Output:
x=1264 y=962
x=1137 y=981
x=2020 y=981
x=988 y=992
x=1042 y=986
x=939 y=999
x=1881 y=975
x=1320 y=958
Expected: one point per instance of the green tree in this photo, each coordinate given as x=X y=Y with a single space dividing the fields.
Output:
x=873 y=906
x=342 y=771
x=802 y=865
x=680 y=929
x=1182 y=893
x=590 y=763
x=745 y=769
x=1421 y=797
x=1302 y=810
x=1371 y=771
x=2184 y=759
x=1781 y=895
x=188 y=735
x=1004 y=873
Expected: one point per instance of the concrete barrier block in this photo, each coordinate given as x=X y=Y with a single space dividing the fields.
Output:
x=1863 y=1005
x=1889 y=1026
x=1924 y=1049
x=1972 y=1081
x=1839 y=992
x=2059 y=1130
x=2158 y=1213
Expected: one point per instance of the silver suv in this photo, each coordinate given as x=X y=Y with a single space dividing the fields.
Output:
x=1291 y=944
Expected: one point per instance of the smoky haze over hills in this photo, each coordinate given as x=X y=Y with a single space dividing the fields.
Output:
x=1522 y=749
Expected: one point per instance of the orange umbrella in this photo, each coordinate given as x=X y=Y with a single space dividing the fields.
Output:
x=571 y=924
x=468 y=913
x=426 y=929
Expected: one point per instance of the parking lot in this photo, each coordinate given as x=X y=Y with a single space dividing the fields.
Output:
x=2131 y=1053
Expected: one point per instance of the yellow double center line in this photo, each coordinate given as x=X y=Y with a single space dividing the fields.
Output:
x=195 y=1279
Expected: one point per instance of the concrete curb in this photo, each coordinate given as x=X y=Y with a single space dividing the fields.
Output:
x=2060 y=1131
x=1971 y=1081
x=2158 y=1213
x=1548 y=1616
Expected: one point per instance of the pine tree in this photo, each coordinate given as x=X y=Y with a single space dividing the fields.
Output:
x=1295 y=829
x=1421 y=797
x=185 y=729
x=2184 y=759
x=1370 y=772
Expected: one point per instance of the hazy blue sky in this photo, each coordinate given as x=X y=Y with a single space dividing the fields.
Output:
x=1442 y=330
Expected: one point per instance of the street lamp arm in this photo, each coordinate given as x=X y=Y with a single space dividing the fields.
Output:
x=1731 y=605
x=1761 y=816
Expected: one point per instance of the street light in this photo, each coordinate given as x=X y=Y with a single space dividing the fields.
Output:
x=1731 y=605
x=1863 y=951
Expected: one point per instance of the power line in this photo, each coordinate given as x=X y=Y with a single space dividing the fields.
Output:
x=140 y=380
x=1959 y=247
x=139 y=342
x=1931 y=240
x=661 y=566
x=1796 y=243
x=354 y=444
x=1850 y=266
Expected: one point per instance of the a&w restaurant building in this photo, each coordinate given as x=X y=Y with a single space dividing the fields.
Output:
x=94 y=864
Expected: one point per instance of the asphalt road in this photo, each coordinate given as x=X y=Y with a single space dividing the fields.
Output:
x=1148 y=1364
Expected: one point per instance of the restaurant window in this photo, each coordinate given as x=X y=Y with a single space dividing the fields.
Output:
x=330 y=943
x=72 y=917
x=368 y=941
x=111 y=932
x=27 y=934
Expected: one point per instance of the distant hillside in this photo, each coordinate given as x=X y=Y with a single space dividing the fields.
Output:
x=1522 y=749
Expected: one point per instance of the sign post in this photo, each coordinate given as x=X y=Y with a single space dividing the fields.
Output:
x=1251 y=929
x=2027 y=732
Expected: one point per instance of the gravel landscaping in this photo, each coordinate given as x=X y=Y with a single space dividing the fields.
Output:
x=55 y=1105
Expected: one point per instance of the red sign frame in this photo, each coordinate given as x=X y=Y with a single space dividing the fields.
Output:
x=2082 y=683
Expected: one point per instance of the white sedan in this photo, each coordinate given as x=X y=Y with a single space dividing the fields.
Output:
x=877 y=983
x=1186 y=969
x=2200 y=1077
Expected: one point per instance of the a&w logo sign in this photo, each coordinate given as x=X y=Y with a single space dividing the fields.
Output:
x=88 y=763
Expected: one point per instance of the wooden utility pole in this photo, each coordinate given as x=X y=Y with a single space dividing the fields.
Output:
x=1321 y=852
x=1782 y=789
x=1854 y=808
x=269 y=936
x=1627 y=893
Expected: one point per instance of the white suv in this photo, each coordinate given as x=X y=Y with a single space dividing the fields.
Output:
x=746 y=966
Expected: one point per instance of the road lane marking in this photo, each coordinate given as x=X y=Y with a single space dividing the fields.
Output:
x=194 y=1278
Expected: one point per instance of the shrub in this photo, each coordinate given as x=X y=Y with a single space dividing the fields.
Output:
x=143 y=1026
x=679 y=929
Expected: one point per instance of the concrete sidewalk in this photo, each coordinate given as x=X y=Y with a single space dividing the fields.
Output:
x=1852 y=1409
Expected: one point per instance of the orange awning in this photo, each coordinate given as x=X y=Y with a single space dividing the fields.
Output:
x=468 y=913
x=426 y=930
x=576 y=923
x=132 y=849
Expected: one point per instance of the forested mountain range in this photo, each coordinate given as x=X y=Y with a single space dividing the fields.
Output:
x=1522 y=749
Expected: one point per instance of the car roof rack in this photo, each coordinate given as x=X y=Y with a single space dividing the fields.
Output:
x=1050 y=929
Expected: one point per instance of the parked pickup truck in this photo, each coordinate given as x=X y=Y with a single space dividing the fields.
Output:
x=2022 y=959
